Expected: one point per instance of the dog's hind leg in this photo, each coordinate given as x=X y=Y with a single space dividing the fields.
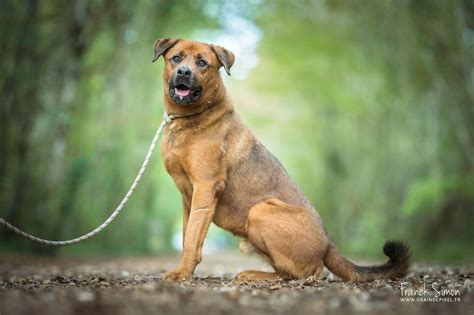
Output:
x=290 y=237
x=256 y=275
x=247 y=248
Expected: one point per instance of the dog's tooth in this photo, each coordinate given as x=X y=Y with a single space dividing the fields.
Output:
x=180 y=97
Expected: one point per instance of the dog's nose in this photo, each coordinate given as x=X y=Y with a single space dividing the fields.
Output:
x=184 y=71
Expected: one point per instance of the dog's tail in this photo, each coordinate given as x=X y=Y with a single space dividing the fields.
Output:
x=397 y=266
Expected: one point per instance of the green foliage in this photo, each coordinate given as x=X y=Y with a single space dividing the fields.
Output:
x=430 y=194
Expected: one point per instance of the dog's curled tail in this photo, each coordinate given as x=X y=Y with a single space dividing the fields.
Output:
x=397 y=266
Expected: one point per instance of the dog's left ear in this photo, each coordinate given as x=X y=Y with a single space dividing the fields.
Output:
x=225 y=57
x=161 y=46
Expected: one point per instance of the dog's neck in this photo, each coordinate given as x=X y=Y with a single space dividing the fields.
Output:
x=185 y=117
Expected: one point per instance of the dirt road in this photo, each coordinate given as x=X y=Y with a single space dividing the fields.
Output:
x=134 y=286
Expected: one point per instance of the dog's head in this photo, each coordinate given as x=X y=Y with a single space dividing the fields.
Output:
x=191 y=74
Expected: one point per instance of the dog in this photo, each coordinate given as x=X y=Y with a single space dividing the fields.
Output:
x=226 y=176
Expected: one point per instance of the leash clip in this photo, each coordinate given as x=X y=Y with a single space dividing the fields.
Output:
x=168 y=118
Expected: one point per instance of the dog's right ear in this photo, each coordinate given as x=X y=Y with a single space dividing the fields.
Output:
x=161 y=46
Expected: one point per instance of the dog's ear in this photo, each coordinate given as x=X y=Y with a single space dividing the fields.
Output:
x=161 y=46
x=225 y=57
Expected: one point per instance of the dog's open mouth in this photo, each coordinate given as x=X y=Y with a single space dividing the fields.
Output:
x=182 y=90
x=184 y=93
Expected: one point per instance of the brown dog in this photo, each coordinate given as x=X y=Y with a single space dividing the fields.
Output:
x=226 y=176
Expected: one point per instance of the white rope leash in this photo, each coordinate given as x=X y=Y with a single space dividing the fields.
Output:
x=166 y=120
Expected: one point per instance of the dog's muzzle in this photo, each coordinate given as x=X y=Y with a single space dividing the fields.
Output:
x=183 y=88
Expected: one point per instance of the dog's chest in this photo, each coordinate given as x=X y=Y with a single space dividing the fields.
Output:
x=173 y=164
x=200 y=157
x=173 y=155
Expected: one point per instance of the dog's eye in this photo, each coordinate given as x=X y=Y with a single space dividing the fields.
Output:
x=201 y=63
x=176 y=59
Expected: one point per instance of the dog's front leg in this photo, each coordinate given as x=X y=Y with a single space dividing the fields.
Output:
x=186 y=211
x=203 y=207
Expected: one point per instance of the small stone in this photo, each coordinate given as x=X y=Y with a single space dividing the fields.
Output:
x=467 y=284
x=125 y=273
x=86 y=296
x=149 y=286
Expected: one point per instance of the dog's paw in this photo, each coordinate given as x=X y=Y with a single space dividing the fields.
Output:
x=255 y=275
x=246 y=276
x=177 y=275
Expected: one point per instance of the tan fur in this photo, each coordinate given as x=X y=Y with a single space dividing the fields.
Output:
x=226 y=176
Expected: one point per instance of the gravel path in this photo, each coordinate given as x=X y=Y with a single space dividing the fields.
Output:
x=134 y=286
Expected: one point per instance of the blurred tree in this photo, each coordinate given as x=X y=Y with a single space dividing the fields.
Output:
x=389 y=89
x=66 y=137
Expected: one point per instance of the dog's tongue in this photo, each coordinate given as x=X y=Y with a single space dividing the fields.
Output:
x=182 y=93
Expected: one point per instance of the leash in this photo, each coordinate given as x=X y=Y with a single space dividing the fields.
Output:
x=166 y=120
